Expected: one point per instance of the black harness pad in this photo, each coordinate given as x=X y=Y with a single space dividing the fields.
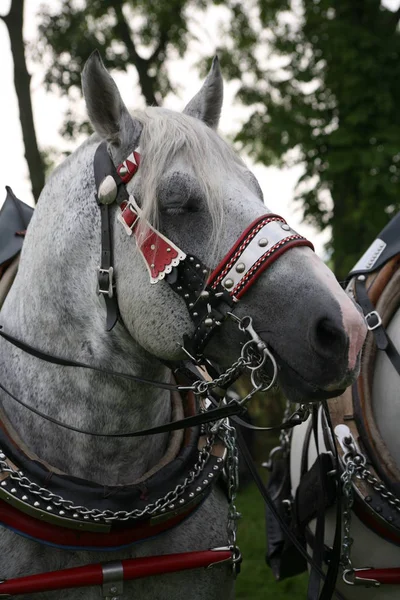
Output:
x=14 y=218
x=382 y=249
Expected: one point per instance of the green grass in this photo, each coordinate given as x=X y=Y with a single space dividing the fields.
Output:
x=255 y=581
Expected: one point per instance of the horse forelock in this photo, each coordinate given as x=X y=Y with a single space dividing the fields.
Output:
x=168 y=137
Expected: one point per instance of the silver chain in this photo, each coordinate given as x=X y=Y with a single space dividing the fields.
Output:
x=108 y=515
x=347 y=487
x=232 y=472
x=355 y=463
x=363 y=473
x=202 y=387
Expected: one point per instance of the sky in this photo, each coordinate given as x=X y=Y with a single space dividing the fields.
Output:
x=278 y=184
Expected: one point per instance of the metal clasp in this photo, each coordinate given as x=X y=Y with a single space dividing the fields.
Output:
x=113 y=580
x=350 y=578
x=110 y=274
x=377 y=316
x=134 y=209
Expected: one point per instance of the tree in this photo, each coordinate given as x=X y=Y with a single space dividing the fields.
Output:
x=14 y=22
x=332 y=104
x=142 y=33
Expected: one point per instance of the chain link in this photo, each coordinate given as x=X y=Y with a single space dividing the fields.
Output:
x=348 y=499
x=232 y=472
x=355 y=463
x=109 y=515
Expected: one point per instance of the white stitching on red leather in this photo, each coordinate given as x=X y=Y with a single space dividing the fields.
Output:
x=243 y=246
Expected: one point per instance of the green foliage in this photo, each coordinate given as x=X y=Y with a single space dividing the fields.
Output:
x=331 y=104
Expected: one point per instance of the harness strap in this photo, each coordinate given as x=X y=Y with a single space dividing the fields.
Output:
x=106 y=284
x=222 y=412
x=245 y=452
x=374 y=323
x=124 y=570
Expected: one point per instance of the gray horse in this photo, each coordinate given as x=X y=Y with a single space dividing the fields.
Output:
x=193 y=187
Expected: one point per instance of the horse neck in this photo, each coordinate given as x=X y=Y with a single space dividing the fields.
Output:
x=53 y=305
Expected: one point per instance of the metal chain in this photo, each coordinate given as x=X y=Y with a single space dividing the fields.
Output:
x=232 y=472
x=109 y=515
x=202 y=387
x=355 y=463
x=363 y=473
x=348 y=499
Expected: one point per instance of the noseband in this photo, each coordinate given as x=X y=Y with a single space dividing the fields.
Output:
x=209 y=300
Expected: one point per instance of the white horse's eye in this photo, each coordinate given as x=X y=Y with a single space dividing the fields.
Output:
x=180 y=193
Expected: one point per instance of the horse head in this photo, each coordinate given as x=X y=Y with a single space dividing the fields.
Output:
x=194 y=190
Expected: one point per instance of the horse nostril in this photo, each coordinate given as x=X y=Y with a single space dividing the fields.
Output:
x=328 y=337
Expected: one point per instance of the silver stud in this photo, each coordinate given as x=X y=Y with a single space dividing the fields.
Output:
x=123 y=171
x=197 y=266
x=86 y=517
x=215 y=468
x=171 y=505
x=205 y=271
x=36 y=504
x=191 y=304
x=75 y=515
x=204 y=294
x=361 y=278
x=191 y=495
x=107 y=190
x=3 y=483
x=153 y=247
x=163 y=510
x=13 y=491
x=208 y=322
x=228 y=284
x=219 y=460
x=210 y=475
x=181 y=501
x=195 y=314
x=285 y=226
x=205 y=481
x=191 y=258
x=179 y=288
x=61 y=513
x=263 y=242
x=240 y=267
x=49 y=508
x=2 y=456
x=186 y=296
x=152 y=265
x=198 y=489
x=24 y=498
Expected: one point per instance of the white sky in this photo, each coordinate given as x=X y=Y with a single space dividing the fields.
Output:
x=277 y=184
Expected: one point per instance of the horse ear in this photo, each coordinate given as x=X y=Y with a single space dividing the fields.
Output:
x=207 y=103
x=106 y=109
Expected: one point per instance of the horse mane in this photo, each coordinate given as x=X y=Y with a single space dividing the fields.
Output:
x=167 y=134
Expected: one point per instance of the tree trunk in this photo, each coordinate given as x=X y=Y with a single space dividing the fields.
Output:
x=14 y=23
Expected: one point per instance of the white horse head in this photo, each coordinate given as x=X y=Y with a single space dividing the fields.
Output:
x=201 y=196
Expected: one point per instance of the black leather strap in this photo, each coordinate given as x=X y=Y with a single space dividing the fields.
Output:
x=374 y=323
x=106 y=281
x=330 y=576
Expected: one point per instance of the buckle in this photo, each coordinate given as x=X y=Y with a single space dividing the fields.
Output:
x=133 y=217
x=377 y=316
x=108 y=283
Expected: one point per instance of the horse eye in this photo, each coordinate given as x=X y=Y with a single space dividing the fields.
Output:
x=179 y=195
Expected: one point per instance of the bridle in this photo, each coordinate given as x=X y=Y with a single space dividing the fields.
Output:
x=209 y=300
